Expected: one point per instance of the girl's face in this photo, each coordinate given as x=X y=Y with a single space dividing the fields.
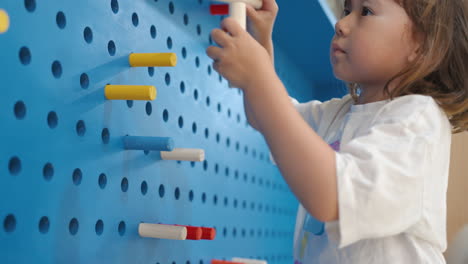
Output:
x=372 y=42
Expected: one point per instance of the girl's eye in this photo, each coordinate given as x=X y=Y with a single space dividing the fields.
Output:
x=366 y=11
x=346 y=12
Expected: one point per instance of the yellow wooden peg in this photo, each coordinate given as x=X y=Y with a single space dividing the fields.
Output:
x=130 y=92
x=4 y=21
x=152 y=59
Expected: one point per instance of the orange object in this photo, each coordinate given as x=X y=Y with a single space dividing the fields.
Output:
x=208 y=233
x=217 y=261
x=219 y=9
x=193 y=232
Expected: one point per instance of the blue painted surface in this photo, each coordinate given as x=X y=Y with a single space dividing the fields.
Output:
x=70 y=193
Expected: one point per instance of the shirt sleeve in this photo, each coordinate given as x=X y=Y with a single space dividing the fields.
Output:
x=380 y=176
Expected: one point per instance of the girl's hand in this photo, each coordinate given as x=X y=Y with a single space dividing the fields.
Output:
x=260 y=22
x=240 y=59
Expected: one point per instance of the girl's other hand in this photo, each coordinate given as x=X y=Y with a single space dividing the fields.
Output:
x=239 y=58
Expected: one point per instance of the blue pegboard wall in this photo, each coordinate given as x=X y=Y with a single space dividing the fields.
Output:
x=69 y=193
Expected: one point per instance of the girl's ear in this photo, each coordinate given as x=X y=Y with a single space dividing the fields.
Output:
x=417 y=41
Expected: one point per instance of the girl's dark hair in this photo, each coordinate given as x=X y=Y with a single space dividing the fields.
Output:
x=441 y=68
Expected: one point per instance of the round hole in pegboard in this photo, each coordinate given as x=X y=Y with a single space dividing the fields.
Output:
x=111 y=48
x=161 y=191
x=84 y=81
x=77 y=176
x=115 y=6
x=167 y=79
x=195 y=94
x=105 y=135
x=208 y=101
x=224 y=231
x=9 y=223
x=184 y=52
x=219 y=107
x=135 y=19
x=203 y=197
x=165 y=115
x=228 y=142
x=30 y=5
x=226 y=171
x=121 y=228
x=169 y=42
x=151 y=71
x=216 y=168
x=229 y=113
x=253 y=179
x=245 y=177
x=52 y=119
x=14 y=166
x=129 y=103
x=194 y=128
x=57 y=69
x=191 y=195
x=192 y=164
x=197 y=62
x=236 y=174
x=226 y=201
x=246 y=149
x=181 y=122
x=205 y=165
x=200 y=2
x=210 y=40
x=99 y=227
x=48 y=171
x=243 y=232
x=171 y=7
x=44 y=225
x=234 y=232
x=25 y=55
x=124 y=185
x=177 y=193
x=80 y=128
x=144 y=187
x=199 y=29
x=218 y=137
x=73 y=226
x=186 y=19
x=237 y=145
x=153 y=32
x=149 y=108
x=102 y=180
x=88 y=35
x=61 y=20
x=244 y=204
x=207 y=133
x=209 y=70
x=20 y=110
x=238 y=118
x=182 y=87
x=215 y=199
x=220 y=78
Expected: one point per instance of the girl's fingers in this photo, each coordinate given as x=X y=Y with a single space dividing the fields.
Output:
x=231 y=26
x=252 y=13
x=214 y=52
x=269 y=5
x=220 y=37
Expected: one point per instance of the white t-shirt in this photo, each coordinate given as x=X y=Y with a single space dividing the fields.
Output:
x=392 y=161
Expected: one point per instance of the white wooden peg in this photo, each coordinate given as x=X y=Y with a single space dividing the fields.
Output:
x=184 y=154
x=162 y=231
x=249 y=261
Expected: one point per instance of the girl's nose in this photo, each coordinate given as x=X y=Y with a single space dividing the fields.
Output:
x=341 y=29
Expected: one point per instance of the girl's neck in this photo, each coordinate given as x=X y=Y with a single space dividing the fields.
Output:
x=370 y=94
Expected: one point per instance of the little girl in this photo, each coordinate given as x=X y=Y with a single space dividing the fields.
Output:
x=373 y=165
